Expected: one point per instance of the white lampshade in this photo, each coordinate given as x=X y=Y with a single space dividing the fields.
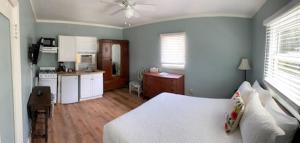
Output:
x=244 y=64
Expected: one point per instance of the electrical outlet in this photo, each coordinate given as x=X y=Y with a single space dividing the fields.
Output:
x=190 y=91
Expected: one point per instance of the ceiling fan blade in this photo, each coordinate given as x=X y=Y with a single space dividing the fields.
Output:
x=142 y=3
x=115 y=2
x=145 y=7
x=117 y=11
x=108 y=2
x=145 y=4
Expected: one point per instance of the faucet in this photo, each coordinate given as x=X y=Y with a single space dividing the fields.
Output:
x=89 y=68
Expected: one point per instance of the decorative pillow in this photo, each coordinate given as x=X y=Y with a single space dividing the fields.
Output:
x=232 y=120
x=245 y=90
x=283 y=120
x=263 y=94
x=257 y=125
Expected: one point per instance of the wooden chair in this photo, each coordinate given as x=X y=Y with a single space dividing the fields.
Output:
x=137 y=85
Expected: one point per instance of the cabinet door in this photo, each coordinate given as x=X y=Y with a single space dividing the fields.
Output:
x=85 y=86
x=106 y=50
x=107 y=67
x=67 y=49
x=152 y=86
x=125 y=60
x=69 y=89
x=86 y=44
x=97 y=84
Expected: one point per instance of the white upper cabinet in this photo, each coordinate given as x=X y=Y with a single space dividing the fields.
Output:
x=70 y=45
x=67 y=49
x=86 y=44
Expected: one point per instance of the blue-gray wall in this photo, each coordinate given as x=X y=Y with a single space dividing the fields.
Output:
x=27 y=37
x=259 y=36
x=215 y=47
x=53 y=30
x=6 y=91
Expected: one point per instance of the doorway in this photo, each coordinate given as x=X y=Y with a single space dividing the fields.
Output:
x=6 y=87
x=11 y=122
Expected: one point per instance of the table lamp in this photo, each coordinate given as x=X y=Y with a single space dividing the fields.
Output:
x=244 y=66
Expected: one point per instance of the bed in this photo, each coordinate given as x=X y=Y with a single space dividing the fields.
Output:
x=172 y=118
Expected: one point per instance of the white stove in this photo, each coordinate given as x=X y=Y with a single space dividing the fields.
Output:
x=47 y=72
x=48 y=77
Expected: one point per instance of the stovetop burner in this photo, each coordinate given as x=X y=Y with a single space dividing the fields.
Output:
x=47 y=72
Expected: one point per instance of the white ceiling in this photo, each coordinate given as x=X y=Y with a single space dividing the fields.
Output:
x=96 y=12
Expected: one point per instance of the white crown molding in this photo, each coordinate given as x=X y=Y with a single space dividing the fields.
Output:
x=187 y=17
x=77 y=23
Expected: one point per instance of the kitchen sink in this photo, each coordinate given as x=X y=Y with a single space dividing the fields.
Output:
x=90 y=71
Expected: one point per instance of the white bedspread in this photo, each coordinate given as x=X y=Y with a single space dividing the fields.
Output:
x=171 y=118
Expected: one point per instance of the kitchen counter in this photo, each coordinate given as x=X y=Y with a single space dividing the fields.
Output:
x=77 y=73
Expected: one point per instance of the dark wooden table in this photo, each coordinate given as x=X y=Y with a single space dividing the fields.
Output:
x=39 y=103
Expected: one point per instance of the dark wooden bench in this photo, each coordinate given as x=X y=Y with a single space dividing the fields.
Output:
x=39 y=108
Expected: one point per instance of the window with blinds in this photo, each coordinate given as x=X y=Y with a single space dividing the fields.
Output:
x=173 y=50
x=282 y=56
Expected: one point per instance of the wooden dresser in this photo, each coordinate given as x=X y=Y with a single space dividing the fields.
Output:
x=156 y=83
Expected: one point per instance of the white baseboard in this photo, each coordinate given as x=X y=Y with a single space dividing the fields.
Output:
x=95 y=97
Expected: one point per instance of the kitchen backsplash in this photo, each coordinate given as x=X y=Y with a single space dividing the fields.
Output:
x=50 y=60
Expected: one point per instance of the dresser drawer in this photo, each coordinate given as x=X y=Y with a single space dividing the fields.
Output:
x=155 y=84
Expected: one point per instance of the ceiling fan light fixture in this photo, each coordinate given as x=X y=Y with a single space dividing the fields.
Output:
x=129 y=12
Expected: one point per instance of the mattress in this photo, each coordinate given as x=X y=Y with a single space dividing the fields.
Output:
x=172 y=118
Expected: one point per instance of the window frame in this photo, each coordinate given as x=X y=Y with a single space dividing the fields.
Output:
x=277 y=90
x=170 y=66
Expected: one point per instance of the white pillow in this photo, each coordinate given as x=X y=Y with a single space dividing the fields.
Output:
x=263 y=94
x=245 y=90
x=257 y=125
x=283 y=120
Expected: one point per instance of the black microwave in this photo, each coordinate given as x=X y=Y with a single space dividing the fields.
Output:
x=47 y=42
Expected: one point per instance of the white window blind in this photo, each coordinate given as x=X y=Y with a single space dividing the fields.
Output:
x=282 y=56
x=173 y=50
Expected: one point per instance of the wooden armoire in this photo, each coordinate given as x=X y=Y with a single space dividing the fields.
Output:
x=113 y=58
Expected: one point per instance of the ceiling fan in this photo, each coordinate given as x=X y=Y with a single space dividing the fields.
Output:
x=130 y=8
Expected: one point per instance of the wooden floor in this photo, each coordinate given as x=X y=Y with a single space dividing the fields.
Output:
x=83 y=122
